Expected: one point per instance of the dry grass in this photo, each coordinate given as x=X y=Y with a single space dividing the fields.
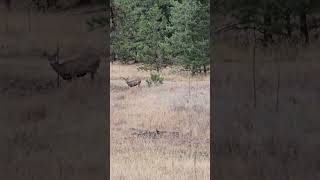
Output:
x=262 y=143
x=118 y=70
x=182 y=152
x=46 y=132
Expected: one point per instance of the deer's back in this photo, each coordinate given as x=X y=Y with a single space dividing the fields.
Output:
x=82 y=63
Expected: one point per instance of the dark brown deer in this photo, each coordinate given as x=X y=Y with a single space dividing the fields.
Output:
x=74 y=67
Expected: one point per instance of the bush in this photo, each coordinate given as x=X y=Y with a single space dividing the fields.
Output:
x=40 y=5
x=155 y=79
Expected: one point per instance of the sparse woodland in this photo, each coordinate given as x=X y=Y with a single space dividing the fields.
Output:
x=266 y=90
x=273 y=21
x=161 y=33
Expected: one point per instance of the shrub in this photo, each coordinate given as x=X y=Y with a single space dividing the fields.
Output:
x=155 y=79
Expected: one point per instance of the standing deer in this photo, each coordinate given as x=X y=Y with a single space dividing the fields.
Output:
x=74 y=67
x=132 y=82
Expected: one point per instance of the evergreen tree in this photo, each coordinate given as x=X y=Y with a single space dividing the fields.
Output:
x=160 y=32
x=152 y=30
x=140 y=31
x=275 y=20
x=189 y=42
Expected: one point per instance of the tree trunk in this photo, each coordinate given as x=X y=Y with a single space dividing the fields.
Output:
x=205 y=69
x=58 y=80
x=113 y=23
x=267 y=36
x=304 y=27
x=6 y=28
x=8 y=4
x=193 y=71
x=254 y=70
x=8 y=7
x=278 y=86
x=52 y=3
x=288 y=24
x=29 y=19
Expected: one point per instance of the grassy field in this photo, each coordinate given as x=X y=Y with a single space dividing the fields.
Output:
x=49 y=132
x=263 y=143
x=181 y=150
x=43 y=121
x=40 y=120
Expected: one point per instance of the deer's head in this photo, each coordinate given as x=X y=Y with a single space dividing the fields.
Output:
x=126 y=79
x=53 y=58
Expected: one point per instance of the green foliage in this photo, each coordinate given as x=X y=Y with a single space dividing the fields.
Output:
x=275 y=20
x=40 y=5
x=149 y=82
x=152 y=31
x=44 y=5
x=123 y=37
x=189 y=43
x=97 y=22
x=159 y=33
x=140 y=30
x=155 y=79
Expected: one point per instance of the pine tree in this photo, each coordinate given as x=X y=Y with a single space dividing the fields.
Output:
x=141 y=31
x=152 y=31
x=161 y=32
x=189 y=43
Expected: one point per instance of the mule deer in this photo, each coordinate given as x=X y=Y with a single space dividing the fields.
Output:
x=74 y=67
x=132 y=82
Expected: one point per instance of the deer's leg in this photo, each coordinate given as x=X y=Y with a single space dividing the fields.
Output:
x=92 y=76
x=73 y=76
x=58 y=80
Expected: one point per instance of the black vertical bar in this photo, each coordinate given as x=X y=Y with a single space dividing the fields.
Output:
x=108 y=94
x=212 y=148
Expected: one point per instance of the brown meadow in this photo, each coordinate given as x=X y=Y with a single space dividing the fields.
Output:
x=181 y=148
